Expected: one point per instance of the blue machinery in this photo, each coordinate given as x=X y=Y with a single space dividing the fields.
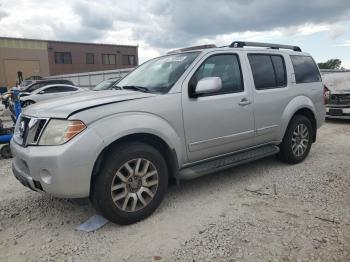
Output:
x=7 y=133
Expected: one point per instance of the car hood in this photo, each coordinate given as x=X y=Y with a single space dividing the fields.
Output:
x=65 y=106
x=337 y=83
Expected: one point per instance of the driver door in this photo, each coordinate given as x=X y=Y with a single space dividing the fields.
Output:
x=220 y=122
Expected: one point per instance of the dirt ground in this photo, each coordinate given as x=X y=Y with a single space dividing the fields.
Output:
x=263 y=211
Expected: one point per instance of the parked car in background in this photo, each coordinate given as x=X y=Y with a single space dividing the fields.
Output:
x=48 y=92
x=40 y=83
x=36 y=84
x=337 y=87
x=107 y=84
x=2 y=109
x=180 y=116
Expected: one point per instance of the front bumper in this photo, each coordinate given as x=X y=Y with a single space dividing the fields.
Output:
x=338 y=112
x=62 y=171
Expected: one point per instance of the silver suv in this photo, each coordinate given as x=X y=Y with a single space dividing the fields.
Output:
x=189 y=113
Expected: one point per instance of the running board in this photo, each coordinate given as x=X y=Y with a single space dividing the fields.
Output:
x=227 y=162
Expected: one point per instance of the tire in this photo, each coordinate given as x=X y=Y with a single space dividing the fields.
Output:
x=294 y=148
x=27 y=103
x=117 y=170
x=5 y=151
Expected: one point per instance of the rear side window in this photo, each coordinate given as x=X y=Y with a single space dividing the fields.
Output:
x=305 y=69
x=269 y=71
x=35 y=87
x=58 y=89
x=280 y=70
x=66 y=89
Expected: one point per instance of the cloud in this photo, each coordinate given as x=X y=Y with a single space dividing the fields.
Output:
x=184 y=21
x=345 y=43
x=166 y=24
x=93 y=15
x=3 y=14
x=337 y=31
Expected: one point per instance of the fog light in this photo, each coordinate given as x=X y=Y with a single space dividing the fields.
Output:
x=46 y=176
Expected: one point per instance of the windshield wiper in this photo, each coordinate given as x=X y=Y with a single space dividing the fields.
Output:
x=137 y=88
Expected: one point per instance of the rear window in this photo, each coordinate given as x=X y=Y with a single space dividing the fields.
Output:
x=269 y=71
x=305 y=69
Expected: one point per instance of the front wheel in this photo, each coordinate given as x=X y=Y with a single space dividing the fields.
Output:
x=131 y=183
x=5 y=151
x=297 y=140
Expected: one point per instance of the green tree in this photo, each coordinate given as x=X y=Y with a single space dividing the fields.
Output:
x=330 y=64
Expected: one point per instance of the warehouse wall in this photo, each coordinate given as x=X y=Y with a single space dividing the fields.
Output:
x=78 y=54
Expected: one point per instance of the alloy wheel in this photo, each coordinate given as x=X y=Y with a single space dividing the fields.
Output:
x=134 y=185
x=300 y=140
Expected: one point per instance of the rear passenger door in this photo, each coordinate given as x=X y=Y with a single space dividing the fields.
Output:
x=272 y=93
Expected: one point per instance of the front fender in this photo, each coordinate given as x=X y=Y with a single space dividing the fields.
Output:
x=117 y=126
x=292 y=107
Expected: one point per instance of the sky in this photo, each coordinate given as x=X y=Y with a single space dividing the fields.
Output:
x=320 y=27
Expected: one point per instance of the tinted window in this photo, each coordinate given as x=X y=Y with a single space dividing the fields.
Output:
x=35 y=87
x=63 y=57
x=305 y=69
x=226 y=67
x=109 y=59
x=129 y=60
x=90 y=58
x=67 y=89
x=58 y=89
x=280 y=70
x=268 y=71
x=66 y=82
x=263 y=72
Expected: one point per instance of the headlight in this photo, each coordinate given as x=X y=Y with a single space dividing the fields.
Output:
x=58 y=132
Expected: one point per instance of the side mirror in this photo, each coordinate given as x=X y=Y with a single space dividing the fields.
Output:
x=208 y=85
x=41 y=92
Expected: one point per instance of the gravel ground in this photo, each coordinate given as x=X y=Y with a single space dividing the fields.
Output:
x=263 y=211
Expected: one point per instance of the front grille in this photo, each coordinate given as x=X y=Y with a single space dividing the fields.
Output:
x=29 y=129
x=339 y=99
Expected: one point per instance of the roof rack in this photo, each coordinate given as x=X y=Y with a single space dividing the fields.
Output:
x=242 y=44
x=197 y=47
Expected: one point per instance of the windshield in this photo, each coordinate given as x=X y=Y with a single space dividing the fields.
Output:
x=160 y=74
x=104 y=85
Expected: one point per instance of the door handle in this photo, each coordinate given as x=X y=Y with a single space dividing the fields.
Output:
x=244 y=102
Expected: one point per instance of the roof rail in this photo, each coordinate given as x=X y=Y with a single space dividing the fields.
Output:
x=197 y=47
x=257 y=44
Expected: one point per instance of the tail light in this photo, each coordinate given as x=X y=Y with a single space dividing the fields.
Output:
x=325 y=95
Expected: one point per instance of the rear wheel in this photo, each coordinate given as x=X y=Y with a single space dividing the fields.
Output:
x=297 y=140
x=131 y=183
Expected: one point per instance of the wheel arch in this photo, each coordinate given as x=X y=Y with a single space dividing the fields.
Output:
x=300 y=105
x=153 y=140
